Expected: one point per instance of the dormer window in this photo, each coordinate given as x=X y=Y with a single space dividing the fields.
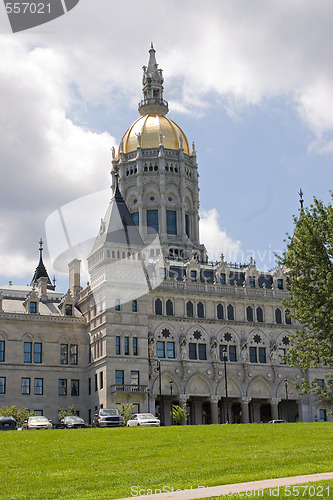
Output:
x=252 y=281
x=193 y=276
x=280 y=284
x=68 y=310
x=222 y=279
x=33 y=307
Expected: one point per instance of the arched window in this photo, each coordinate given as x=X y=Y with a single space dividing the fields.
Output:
x=169 y=307
x=260 y=315
x=189 y=309
x=249 y=313
x=158 y=307
x=230 y=312
x=219 y=311
x=287 y=317
x=278 y=316
x=200 y=310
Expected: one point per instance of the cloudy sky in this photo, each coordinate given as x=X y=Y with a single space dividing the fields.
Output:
x=250 y=82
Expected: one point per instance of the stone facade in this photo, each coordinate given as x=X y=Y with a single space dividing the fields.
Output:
x=158 y=324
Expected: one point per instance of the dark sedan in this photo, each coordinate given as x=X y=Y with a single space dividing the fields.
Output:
x=72 y=422
x=8 y=424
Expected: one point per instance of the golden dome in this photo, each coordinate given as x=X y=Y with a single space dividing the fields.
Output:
x=151 y=127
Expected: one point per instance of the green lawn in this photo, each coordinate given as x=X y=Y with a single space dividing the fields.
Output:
x=102 y=464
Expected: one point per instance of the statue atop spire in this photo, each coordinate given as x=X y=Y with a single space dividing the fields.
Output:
x=152 y=81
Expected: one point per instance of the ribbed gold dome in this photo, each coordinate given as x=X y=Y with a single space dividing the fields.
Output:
x=150 y=127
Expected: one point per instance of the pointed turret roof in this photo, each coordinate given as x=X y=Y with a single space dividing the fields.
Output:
x=118 y=228
x=41 y=271
x=152 y=81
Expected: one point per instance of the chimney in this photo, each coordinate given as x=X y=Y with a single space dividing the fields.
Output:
x=74 y=278
x=42 y=288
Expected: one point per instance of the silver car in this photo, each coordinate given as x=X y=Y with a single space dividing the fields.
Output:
x=108 y=417
x=37 y=422
x=144 y=419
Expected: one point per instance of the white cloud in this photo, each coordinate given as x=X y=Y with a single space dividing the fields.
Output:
x=216 y=239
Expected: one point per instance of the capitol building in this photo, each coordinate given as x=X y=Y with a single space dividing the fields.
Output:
x=158 y=323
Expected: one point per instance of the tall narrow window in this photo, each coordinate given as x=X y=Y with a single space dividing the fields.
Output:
x=280 y=284
x=230 y=312
x=169 y=307
x=252 y=281
x=171 y=222
x=249 y=313
x=117 y=305
x=193 y=276
x=171 y=350
x=287 y=317
x=253 y=355
x=68 y=310
x=101 y=380
x=2 y=385
x=134 y=306
x=158 y=307
x=189 y=309
x=37 y=352
x=27 y=352
x=62 y=387
x=160 y=349
x=134 y=377
x=126 y=346
x=96 y=382
x=117 y=345
x=260 y=315
x=73 y=354
x=152 y=221
x=135 y=346
x=202 y=351
x=222 y=279
x=2 y=350
x=219 y=311
x=135 y=217
x=200 y=310
x=38 y=386
x=192 y=350
x=120 y=377
x=187 y=225
x=75 y=387
x=64 y=354
x=25 y=385
x=89 y=386
x=278 y=316
x=262 y=355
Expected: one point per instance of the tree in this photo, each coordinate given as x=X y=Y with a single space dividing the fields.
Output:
x=126 y=410
x=179 y=414
x=62 y=412
x=20 y=414
x=308 y=260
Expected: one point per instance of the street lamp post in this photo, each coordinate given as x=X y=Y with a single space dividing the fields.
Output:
x=225 y=359
x=287 y=398
x=171 y=387
x=158 y=368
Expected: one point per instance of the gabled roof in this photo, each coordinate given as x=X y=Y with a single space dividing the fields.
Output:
x=117 y=229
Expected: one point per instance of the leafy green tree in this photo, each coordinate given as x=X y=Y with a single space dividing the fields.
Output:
x=179 y=414
x=20 y=414
x=126 y=411
x=62 y=412
x=308 y=260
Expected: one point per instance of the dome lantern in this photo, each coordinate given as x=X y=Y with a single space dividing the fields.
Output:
x=152 y=81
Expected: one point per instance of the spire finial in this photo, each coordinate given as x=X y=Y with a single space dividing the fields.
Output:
x=152 y=45
x=301 y=199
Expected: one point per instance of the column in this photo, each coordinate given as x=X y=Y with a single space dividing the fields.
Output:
x=182 y=403
x=303 y=409
x=274 y=402
x=245 y=410
x=197 y=405
x=167 y=411
x=256 y=412
x=214 y=401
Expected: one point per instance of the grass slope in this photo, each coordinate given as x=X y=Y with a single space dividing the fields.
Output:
x=102 y=464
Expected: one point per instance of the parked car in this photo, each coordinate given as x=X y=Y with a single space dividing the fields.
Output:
x=144 y=419
x=277 y=422
x=108 y=417
x=8 y=423
x=71 y=422
x=37 y=422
